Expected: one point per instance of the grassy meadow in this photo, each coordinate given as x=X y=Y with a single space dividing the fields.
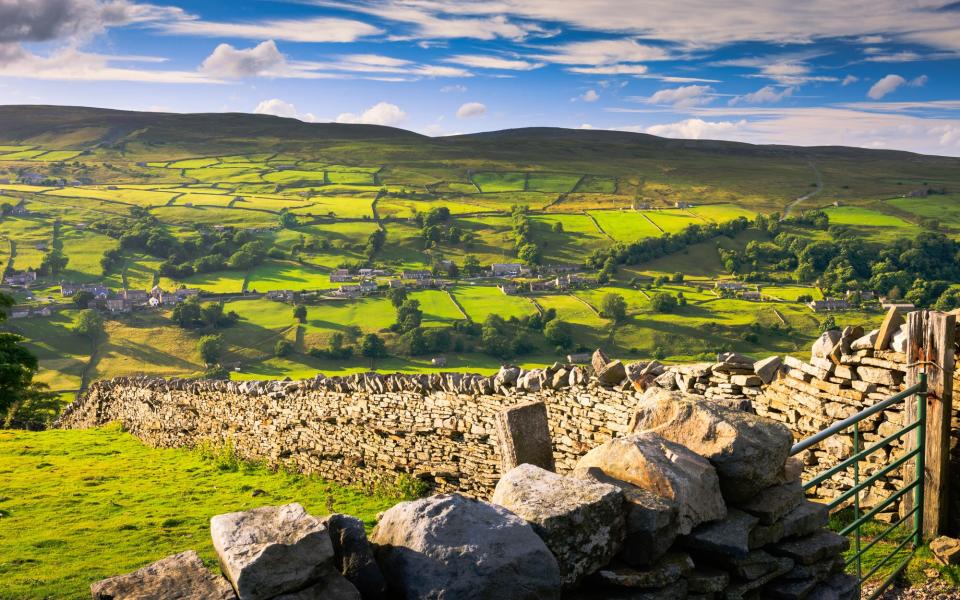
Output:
x=120 y=505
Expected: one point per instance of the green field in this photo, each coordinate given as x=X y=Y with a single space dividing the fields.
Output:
x=945 y=209
x=625 y=226
x=853 y=215
x=482 y=301
x=120 y=505
x=500 y=182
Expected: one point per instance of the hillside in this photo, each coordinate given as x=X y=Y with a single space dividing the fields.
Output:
x=258 y=213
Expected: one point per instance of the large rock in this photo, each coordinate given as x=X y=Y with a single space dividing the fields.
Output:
x=748 y=451
x=866 y=342
x=651 y=520
x=353 y=556
x=825 y=343
x=581 y=521
x=666 y=571
x=523 y=436
x=768 y=368
x=332 y=586
x=271 y=550
x=449 y=546
x=172 y=578
x=812 y=548
x=664 y=468
x=773 y=503
x=729 y=536
x=612 y=374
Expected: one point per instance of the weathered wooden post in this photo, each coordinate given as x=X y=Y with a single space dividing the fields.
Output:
x=930 y=349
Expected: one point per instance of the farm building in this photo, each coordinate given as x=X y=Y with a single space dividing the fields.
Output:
x=506 y=269
x=508 y=288
x=829 y=304
x=733 y=286
x=136 y=296
x=417 y=274
x=24 y=279
x=340 y=276
x=581 y=358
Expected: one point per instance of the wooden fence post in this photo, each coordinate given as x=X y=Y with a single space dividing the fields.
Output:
x=931 y=340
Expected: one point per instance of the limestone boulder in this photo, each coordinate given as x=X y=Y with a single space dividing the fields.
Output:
x=773 y=503
x=898 y=343
x=272 y=550
x=450 y=546
x=946 y=550
x=580 y=520
x=353 y=556
x=865 y=342
x=729 y=536
x=666 y=571
x=664 y=468
x=768 y=368
x=651 y=521
x=172 y=578
x=825 y=343
x=332 y=586
x=612 y=374
x=748 y=451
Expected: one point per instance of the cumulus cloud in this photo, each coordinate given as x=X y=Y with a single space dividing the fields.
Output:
x=230 y=62
x=696 y=129
x=765 y=95
x=48 y=20
x=891 y=82
x=70 y=64
x=683 y=96
x=381 y=113
x=280 y=108
x=589 y=96
x=602 y=52
x=849 y=79
x=471 y=109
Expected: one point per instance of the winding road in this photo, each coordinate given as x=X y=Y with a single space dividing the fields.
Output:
x=819 y=188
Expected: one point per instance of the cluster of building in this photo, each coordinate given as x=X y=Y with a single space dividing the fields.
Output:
x=553 y=284
x=125 y=301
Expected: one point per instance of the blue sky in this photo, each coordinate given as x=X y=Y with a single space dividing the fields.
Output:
x=871 y=73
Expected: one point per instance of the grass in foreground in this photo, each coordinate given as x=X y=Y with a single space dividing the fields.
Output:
x=79 y=506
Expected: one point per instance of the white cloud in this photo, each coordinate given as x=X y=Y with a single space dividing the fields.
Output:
x=372 y=66
x=381 y=113
x=493 y=62
x=849 y=79
x=611 y=70
x=682 y=97
x=316 y=30
x=585 y=126
x=434 y=20
x=227 y=61
x=589 y=96
x=885 y=125
x=73 y=65
x=891 y=82
x=48 y=20
x=694 y=23
x=471 y=109
x=453 y=89
x=280 y=108
x=696 y=129
x=765 y=95
x=602 y=52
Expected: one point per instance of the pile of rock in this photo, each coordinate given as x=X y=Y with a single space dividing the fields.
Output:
x=268 y=553
x=848 y=371
x=698 y=501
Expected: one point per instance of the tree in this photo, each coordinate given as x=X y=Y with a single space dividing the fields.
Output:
x=397 y=296
x=828 y=324
x=409 y=315
x=210 y=348
x=663 y=302
x=89 y=324
x=82 y=299
x=471 y=266
x=373 y=347
x=300 y=313
x=53 y=263
x=283 y=348
x=677 y=277
x=530 y=254
x=187 y=314
x=560 y=334
x=17 y=364
x=287 y=220
x=558 y=227
x=614 y=307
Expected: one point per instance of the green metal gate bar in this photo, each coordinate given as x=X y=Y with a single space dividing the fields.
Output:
x=918 y=392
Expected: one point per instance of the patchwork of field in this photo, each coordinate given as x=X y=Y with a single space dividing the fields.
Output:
x=338 y=205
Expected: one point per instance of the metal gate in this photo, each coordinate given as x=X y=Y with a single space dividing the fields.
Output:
x=851 y=498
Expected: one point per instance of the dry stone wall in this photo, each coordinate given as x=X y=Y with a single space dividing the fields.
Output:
x=442 y=428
